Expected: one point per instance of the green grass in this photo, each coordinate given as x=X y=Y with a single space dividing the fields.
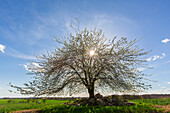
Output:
x=142 y=108
x=16 y=105
x=56 y=106
x=153 y=101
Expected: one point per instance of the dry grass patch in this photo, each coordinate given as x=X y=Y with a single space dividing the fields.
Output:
x=166 y=107
x=28 y=111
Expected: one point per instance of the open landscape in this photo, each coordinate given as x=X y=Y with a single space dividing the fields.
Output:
x=84 y=56
x=57 y=105
x=9 y=105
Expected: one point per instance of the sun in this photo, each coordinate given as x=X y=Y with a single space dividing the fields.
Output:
x=92 y=52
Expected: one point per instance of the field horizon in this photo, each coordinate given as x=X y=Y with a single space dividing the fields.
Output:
x=124 y=96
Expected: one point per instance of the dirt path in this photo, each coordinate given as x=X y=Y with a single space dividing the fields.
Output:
x=28 y=111
x=2 y=106
x=166 y=107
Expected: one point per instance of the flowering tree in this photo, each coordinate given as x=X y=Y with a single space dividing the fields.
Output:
x=88 y=62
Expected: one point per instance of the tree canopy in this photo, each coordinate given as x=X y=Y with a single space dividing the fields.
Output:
x=88 y=62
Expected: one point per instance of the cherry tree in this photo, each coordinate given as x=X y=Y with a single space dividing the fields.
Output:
x=88 y=62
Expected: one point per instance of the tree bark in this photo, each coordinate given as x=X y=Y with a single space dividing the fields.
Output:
x=91 y=91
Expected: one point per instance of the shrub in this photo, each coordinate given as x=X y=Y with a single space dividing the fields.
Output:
x=34 y=100
x=28 y=100
x=23 y=101
x=10 y=101
x=44 y=100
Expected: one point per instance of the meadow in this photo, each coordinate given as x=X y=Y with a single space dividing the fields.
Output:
x=163 y=101
x=8 y=105
x=57 y=106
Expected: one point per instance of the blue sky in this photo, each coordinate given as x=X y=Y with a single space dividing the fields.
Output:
x=27 y=28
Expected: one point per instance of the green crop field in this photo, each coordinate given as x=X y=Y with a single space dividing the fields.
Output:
x=8 y=105
x=142 y=108
x=153 y=101
x=57 y=106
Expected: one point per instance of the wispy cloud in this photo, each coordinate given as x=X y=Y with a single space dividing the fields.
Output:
x=163 y=90
x=41 y=27
x=17 y=54
x=30 y=66
x=168 y=82
x=149 y=59
x=68 y=26
x=111 y=25
x=165 y=40
x=2 y=48
x=154 y=57
x=168 y=61
x=141 y=68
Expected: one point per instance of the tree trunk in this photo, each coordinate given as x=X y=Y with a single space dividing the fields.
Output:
x=91 y=91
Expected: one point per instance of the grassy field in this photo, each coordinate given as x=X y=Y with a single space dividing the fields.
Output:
x=142 y=108
x=153 y=101
x=56 y=106
x=8 y=105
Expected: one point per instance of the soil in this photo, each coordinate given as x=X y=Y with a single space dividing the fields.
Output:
x=100 y=100
x=2 y=106
x=166 y=107
x=28 y=111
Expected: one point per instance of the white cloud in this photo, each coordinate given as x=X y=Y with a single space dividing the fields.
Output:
x=149 y=59
x=31 y=32
x=2 y=47
x=155 y=91
x=165 y=40
x=1 y=88
x=168 y=82
x=167 y=90
x=14 y=53
x=156 y=57
x=26 y=67
x=121 y=25
x=159 y=84
x=33 y=67
x=141 y=69
x=160 y=91
x=163 y=87
x=23 y=56
x=163 y=54
x=68 y=26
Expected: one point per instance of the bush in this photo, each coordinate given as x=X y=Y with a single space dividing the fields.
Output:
x=10 y=101
x=34 y=100
x=28 y=100
x=22 y=101
x=44 y=100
